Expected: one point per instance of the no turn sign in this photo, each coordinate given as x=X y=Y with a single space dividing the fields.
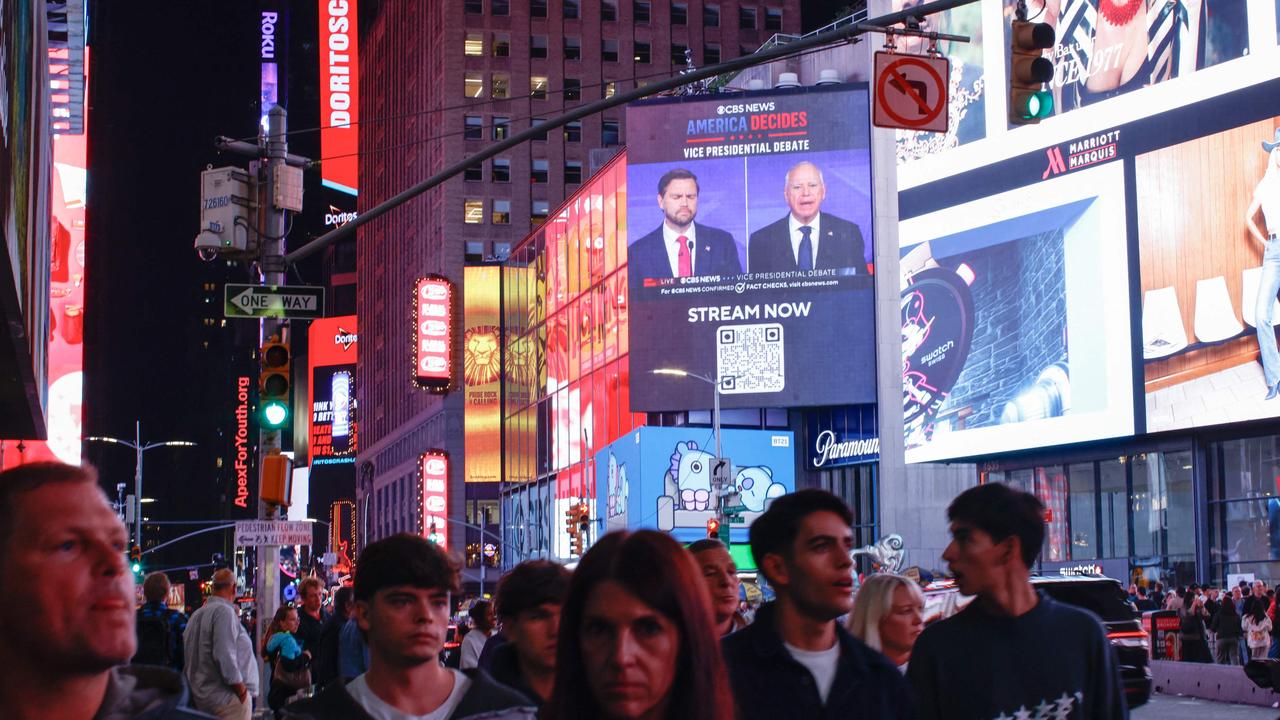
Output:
x=911 y=92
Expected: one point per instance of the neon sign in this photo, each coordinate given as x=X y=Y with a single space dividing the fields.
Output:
x=433 y=496
x=433 y=333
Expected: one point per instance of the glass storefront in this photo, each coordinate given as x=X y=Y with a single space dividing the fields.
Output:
x=1243 y=524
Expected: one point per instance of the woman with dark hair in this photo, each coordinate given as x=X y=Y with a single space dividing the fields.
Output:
x=636 y=633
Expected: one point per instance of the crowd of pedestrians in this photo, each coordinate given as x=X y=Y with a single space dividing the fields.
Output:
x=1224 y=626
x=642 y=628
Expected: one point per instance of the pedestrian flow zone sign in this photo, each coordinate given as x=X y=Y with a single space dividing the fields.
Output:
x=272 y=532
x=273 y=301
x=911 y=92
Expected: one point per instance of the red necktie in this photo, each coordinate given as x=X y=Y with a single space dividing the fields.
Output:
x=686 y=261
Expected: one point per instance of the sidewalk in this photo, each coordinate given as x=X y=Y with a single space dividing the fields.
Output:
x=1223 y=683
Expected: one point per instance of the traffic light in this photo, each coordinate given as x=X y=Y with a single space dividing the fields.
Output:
x=713 y=529
x=584 y=518
x=1029 y=70
x=571 y=526
x=274 y=383
x=277 y=479
x=135 y=560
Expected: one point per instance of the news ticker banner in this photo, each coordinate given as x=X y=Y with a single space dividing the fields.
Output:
x=750 y=249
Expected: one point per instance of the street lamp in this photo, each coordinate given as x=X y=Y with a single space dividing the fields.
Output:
x=717 y=486
x=139 y=449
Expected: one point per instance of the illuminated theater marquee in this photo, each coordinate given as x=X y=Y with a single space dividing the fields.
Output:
x=433 y=333
x=433 y=498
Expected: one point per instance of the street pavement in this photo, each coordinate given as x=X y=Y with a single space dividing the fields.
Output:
x=1174 y=707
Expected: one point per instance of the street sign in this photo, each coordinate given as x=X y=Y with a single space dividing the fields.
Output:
x=274 y=301
x=911 y=92
x=722 y=472
x=272 y=532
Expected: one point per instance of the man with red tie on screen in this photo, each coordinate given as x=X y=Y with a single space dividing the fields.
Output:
x=680 y=247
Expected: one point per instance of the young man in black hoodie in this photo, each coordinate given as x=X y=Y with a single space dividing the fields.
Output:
x=1013 y=652
x=795 y=660
x=529 y=599
x=402 y=589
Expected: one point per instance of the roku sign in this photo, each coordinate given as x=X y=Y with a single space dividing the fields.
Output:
x=433 y=328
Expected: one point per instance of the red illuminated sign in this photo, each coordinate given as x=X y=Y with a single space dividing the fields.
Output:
x=339 y=95
x=433 y=333
x=331 y=357
x=433 y=484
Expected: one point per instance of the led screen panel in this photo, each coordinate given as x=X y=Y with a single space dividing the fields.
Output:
x=482 y=373
x=333 y=345
x=750 y=249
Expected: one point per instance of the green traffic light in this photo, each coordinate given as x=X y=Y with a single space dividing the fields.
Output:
x=274 y=414
x=1041 y=104
x=137 y=569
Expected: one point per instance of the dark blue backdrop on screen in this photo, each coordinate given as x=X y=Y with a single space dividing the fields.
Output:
x=749 y=249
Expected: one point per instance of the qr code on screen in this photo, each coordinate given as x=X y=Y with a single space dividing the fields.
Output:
x=749 y=358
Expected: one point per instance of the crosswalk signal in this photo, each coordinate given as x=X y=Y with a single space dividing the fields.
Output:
x=274 y=383
x=276 y=487
x=713 y=529
x=1029 y=70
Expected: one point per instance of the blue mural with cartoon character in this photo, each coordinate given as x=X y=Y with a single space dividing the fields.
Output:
x=660 y=477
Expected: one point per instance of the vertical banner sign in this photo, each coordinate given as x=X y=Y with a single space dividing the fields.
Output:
x=481 y=371
x=339 y=96
x=433 y=484
x=433 y=333
x=272 y=57
x=332 y=358
x=243 y=463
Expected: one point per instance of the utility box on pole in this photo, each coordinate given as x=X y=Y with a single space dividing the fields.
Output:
x=225 y=206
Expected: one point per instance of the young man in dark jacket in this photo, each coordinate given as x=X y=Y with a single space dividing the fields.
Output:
x=67 y=614
x=529 y=600
x=795 y=660
x=402 y=590
x=990 y=660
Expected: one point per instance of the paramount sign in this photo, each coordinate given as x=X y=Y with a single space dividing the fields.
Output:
x=829 y=451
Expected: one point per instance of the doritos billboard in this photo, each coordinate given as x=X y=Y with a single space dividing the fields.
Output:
x=331 y=358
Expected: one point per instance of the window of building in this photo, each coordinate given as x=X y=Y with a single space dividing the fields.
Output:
x=538 y=46
x=473 y=46
x=572 y=89
x=473 y=7
x=538 y=87
x=538 y=172
x=501 y=250
x=500 y=170
x=500 y=7
x=609 y=10
x=473 y=173
x=610 y=89
x=572 y=171
x=475 y=249
x=473 y=127
x=773 y=19
x=710 y=53
x=501 y=45
x=473 y=211
x=572 y=9
x=609 y=50
x=746 y=18
x=473 y=83
x=501 y=214
x=1083 y=512
x=710 y=15
x=501 y=86
x=641 y=10
x=610 y=133
x=677 y=55
x=535 y=123
x=679 y=13
x=573 y=131
x=538 y=8
x=572 y=48
x=501 y=127
x=541 y=208
x=642 y=52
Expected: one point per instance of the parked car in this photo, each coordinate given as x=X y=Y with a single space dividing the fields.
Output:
x=1103 y=596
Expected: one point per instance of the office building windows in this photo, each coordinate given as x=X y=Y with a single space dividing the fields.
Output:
x=641 y=10
x=473 y=173
x=501 y=214
x=572 y=48
x=501 y=45
x=501 y=86
x=500 y=7
x=677 y=55
x=773 y=19
x=746 y=18
x=610 y=133
x=538 y=8
x=609 y=10
x=473 y=211
x=710 y=53
x=572 y=90
x=473 y=127
x=473 y=83
x=539 y=212
x=500 y=170
x=473 y=46
x=535 y=123
x=473 y=7
x=609 y=49
x=572 y=9
x=642 y=53
x=538 y=87
x=538 y=46
x=573 y=131
x=609 y=89
x=572 y=171
x=538 y=173
x=711 y=15
x=501 y=127
x=679 y=13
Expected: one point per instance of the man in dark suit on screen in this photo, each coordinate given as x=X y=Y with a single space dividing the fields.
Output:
x=806 y=239
x=680 y=247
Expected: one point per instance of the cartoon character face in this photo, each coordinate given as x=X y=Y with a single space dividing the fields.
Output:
x=757 y=488
x=691 y=468
x=617 y=487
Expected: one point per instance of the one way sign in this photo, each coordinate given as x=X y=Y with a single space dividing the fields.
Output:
x=274 y=301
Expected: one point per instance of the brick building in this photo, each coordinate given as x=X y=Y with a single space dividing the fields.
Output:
x=447 y=78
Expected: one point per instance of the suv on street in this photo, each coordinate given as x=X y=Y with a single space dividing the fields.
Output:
x=1103 y=596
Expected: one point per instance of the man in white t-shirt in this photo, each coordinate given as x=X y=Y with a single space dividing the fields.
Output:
x=795 y=660
x=481 y=630
x=402 y=589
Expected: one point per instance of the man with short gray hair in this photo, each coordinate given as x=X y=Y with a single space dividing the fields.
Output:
x=67 y=605
x=221 y=666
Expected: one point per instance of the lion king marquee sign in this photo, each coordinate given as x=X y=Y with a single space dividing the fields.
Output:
x=482 y=372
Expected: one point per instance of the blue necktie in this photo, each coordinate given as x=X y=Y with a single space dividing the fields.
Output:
x=805 y=260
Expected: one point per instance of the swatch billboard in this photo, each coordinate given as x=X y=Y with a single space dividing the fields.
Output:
x=750 y=249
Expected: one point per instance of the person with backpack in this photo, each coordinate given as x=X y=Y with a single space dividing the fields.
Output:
x=290 y=664
x=159 y=628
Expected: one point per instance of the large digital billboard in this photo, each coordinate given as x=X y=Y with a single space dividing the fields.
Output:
x=482 y=373
x=339 y=97
x=332 y=349
x=750 y=249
